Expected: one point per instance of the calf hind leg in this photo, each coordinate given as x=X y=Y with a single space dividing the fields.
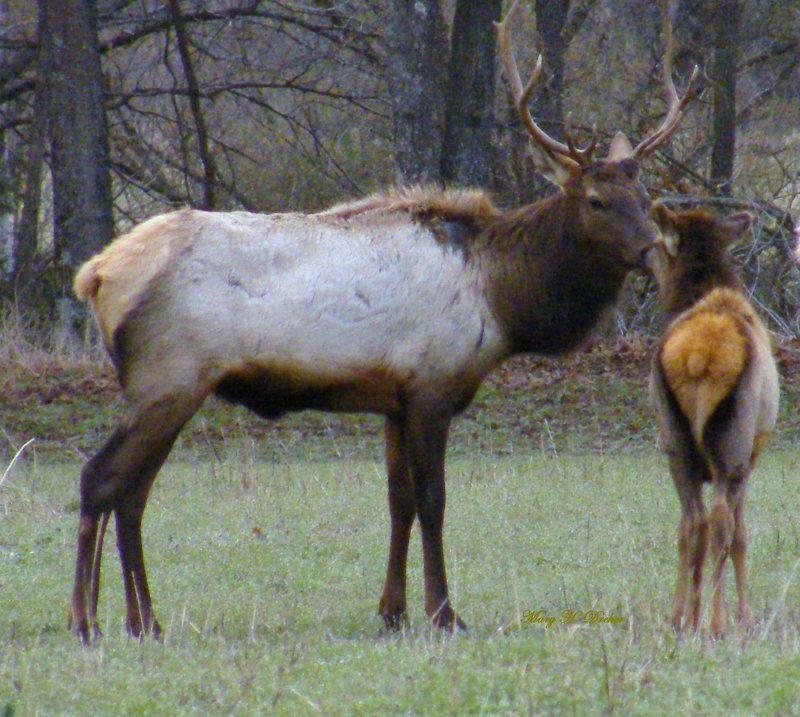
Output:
x=721 y=526
x=692 y=542
x=739 y=558
x=687 y=473
x=728 y=539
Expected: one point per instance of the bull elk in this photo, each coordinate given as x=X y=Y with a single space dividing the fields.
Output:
x=398 y=304
x=714 y=386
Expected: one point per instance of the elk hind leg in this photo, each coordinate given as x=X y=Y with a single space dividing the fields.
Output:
x=687 y=473
x=118 y=479
x=721 y=526
x=692 y=546
x=85 y=593
x=739 y=559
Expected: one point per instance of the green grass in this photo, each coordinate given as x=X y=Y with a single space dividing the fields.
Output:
x=266 y=576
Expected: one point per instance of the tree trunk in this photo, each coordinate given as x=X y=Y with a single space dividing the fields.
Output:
x=73 y=92
x=416 y=70
x=469 y=119
x=26 y=242
x=723 y=152
x=6 y=193
x=548 y=103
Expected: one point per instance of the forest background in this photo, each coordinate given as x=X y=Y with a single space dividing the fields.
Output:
x=114 y=110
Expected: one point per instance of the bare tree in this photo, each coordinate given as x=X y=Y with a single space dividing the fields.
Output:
x=723 y=76
x=27 y=231
x=416 y=72
x=551 y=20
x=73 y=95
x=469 y=118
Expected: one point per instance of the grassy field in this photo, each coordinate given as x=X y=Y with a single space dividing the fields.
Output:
x=266 y=547
x=266 y=576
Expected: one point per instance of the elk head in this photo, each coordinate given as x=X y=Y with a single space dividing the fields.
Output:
x=690 y=255
x=606 y=192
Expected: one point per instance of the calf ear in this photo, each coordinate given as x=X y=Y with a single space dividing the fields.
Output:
x=666 y=222
x=662 y=216
x=738 y=225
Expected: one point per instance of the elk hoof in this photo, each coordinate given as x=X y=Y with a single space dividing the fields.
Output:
x=394 y=620
x=137 y=630
x=677 y=622
x=82 y=631
x=719 y=623
x=744 y=618
x=446 y=619
x=393 y=611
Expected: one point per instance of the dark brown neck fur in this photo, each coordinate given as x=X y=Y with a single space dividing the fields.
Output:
x=548 y=284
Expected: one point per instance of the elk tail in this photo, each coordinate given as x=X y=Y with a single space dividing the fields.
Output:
x=703 y=358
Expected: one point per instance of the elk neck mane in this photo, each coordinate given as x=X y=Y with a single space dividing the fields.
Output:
x=549 y=280
x=472 y=206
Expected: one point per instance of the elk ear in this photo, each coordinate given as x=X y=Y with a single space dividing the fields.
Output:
x=620 y=148
x=666 y=222
x=737 y=225
x=662 y=216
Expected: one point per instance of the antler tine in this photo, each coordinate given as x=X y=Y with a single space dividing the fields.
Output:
x=556 y=150
x=675 y=103
x=583 y=154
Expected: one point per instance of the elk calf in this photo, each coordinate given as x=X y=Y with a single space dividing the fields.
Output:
x=714 y=386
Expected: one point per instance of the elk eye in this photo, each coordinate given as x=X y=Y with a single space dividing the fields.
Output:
x=596 y=203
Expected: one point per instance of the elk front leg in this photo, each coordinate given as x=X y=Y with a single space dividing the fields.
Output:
x=426 y=440
x=678 y=610
x=139 y=618
x=392 y=605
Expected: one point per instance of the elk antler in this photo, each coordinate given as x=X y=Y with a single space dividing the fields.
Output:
x=675 y=104
x=565 y=155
